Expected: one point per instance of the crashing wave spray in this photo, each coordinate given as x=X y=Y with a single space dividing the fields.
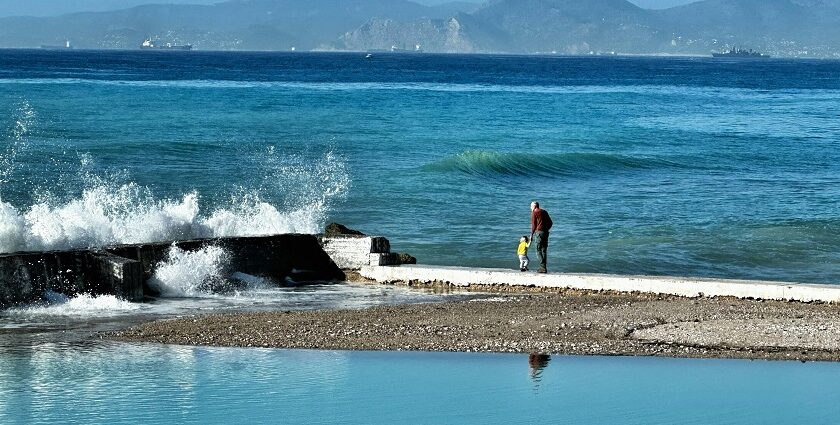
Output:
x=24 y=119
x=191 y=273
x=108 y=213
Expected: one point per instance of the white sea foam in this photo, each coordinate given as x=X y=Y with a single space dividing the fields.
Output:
x=108 y=213
x=84 y=305
x=656 y=89
x=12 y=229
x=191 y=273
x=252 y=282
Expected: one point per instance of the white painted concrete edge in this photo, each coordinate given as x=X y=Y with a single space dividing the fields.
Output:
x=687 y=287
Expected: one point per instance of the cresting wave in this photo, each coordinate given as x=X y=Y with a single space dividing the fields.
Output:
x=489 y=164
x=130 y=214
x=108 y=213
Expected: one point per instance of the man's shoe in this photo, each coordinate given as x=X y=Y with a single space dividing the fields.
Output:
x=522 y=269
x=542 y=271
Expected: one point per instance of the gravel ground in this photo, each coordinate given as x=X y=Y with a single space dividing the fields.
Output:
x=554 y=322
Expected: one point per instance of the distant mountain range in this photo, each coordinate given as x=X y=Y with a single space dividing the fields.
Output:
x=776 y=27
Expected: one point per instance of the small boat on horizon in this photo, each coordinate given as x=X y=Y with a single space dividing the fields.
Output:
x=65 y=46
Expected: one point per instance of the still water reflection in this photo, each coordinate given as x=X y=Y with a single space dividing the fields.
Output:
x=128 y=383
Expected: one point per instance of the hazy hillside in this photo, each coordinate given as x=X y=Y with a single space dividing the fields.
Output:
x=783 y=27
x=572 y=26
x=239 y=24
x=778 y=27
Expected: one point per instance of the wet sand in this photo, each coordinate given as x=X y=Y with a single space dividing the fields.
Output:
x=532 y=320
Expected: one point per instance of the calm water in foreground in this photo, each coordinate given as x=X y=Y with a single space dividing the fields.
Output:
x=120 y=383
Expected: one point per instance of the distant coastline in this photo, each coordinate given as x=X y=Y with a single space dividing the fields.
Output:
x=401 y=54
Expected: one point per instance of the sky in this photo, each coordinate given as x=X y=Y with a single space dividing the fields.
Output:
x=58 y=7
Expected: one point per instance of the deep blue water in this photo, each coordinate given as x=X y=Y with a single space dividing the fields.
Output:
x=128 y=384
x=683 y=166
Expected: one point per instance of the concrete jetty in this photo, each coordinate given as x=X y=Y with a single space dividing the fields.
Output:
x=123 y=270
x=681 y=286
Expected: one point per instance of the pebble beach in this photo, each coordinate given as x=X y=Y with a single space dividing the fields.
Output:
x=532 y=321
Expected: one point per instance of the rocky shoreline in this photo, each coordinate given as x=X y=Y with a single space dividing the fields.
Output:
x=532 y=321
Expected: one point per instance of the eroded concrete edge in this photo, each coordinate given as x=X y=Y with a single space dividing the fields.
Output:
x=686 y=287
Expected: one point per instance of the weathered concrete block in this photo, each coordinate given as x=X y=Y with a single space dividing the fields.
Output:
x=354 y=252
x=24 y=277
x=123 y=270
x=120 y=276
x=384 y=259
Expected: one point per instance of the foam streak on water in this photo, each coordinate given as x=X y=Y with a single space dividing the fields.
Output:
x=84 y=305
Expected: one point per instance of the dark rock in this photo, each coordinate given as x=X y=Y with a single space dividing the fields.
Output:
x=122 y=269
x=335 y=229
x=407 y=259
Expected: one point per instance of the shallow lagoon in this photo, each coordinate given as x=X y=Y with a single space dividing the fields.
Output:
x=128 y=383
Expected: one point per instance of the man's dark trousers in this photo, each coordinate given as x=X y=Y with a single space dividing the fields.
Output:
x=541 y=240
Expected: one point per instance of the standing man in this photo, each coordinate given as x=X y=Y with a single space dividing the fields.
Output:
x=540 y=225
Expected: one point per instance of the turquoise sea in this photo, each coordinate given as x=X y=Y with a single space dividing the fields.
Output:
x=677 y=166
x=126 y=384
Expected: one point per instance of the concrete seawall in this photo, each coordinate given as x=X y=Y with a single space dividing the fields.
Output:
x=355 y=252
x=123 y=270
x=688 y=287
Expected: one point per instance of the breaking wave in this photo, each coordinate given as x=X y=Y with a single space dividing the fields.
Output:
x=293 y=195
x=191 y=273
x=109 y=213
x=484 y=163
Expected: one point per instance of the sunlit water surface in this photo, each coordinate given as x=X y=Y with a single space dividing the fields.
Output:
x=123 y=383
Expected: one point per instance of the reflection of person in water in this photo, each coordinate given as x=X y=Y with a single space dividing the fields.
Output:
x=538 y=362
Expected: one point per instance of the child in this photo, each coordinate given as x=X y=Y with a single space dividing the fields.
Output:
x=522 y=251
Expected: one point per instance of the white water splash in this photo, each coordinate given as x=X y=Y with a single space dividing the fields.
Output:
x=251 y=216
x=24 y=119
x=109 y=213
x=251 y=282
x=83 y=305
x=13 y=229
x=190 y=273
